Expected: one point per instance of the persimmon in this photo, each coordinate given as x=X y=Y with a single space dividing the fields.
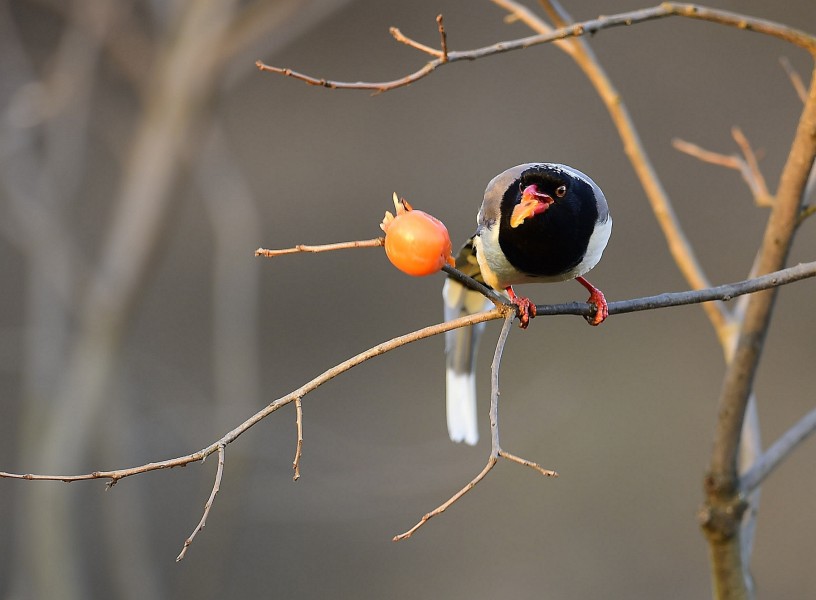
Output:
x=415 y=242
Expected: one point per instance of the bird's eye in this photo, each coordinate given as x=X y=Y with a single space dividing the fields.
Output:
x=561 y=191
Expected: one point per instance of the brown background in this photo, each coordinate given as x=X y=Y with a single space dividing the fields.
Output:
x=624 y=412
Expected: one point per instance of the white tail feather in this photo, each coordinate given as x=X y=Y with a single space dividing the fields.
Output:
x=460 y=350
x=461 y=407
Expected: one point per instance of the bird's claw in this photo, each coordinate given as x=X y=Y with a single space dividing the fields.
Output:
x=525 y=308
x=598 y=300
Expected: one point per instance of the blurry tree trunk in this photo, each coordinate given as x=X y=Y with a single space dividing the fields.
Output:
x=175 y=99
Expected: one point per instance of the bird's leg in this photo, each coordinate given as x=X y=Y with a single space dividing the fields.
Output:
x=524 y=306
x=597 y=299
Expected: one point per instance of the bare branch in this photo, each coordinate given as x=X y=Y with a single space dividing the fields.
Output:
x=216 y=487
x=441 y=54
x=299 y=445
x=443 y=37
x=795 y=78
x=776 y=243
x=404 y=39
x=663 y=300
x=496 y=451
x=729 y=161
x=527 y=463
x=495 y=366
x=755 y=179
x=420 y=334
x=747 y=165
x=491 y=462
x=667 y=9
x=373 y=243
x=723 y=292
x=495 y=448
x=807 y=211
x=778 y=452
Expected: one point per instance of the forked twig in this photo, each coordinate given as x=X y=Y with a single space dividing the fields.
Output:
x=495 y=447
x=441 y=54
x=747 y=164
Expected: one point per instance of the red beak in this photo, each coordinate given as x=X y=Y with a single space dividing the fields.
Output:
x=532 y=203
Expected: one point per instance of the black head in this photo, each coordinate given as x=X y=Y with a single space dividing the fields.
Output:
x=553 y=241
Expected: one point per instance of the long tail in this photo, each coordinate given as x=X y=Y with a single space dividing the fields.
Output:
x=460 y=350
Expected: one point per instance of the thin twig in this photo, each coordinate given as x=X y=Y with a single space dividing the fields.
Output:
x=495 y=366
x=778 y=452
x=747 y=164
x=527 y=463
x=729 y=161
x=795 y=78
x=404 y=39
x=807 y=211
x=373 y=243
x=219 y=472
x=299 y=446
x=756 y=181
x=443 y=38
x=491 y=462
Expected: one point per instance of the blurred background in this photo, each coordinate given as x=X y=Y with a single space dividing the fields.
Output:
x=143 y=159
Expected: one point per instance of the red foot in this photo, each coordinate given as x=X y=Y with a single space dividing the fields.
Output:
x=597 y=299
x=525 y=307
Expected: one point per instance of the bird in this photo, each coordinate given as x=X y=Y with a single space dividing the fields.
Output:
x=539 y=222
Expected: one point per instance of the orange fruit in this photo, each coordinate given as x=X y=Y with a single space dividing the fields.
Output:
x=415 y=242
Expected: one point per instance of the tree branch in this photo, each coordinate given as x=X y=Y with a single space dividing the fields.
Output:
x=592 y=26
x=778 y=452
x=496 y=451
x=724 y=292
x=747 y=164
x=373 y=243
x=724 y=507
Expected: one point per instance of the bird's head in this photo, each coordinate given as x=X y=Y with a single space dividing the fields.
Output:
x=544 y=215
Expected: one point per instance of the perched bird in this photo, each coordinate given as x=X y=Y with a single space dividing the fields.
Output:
x=538 y=222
